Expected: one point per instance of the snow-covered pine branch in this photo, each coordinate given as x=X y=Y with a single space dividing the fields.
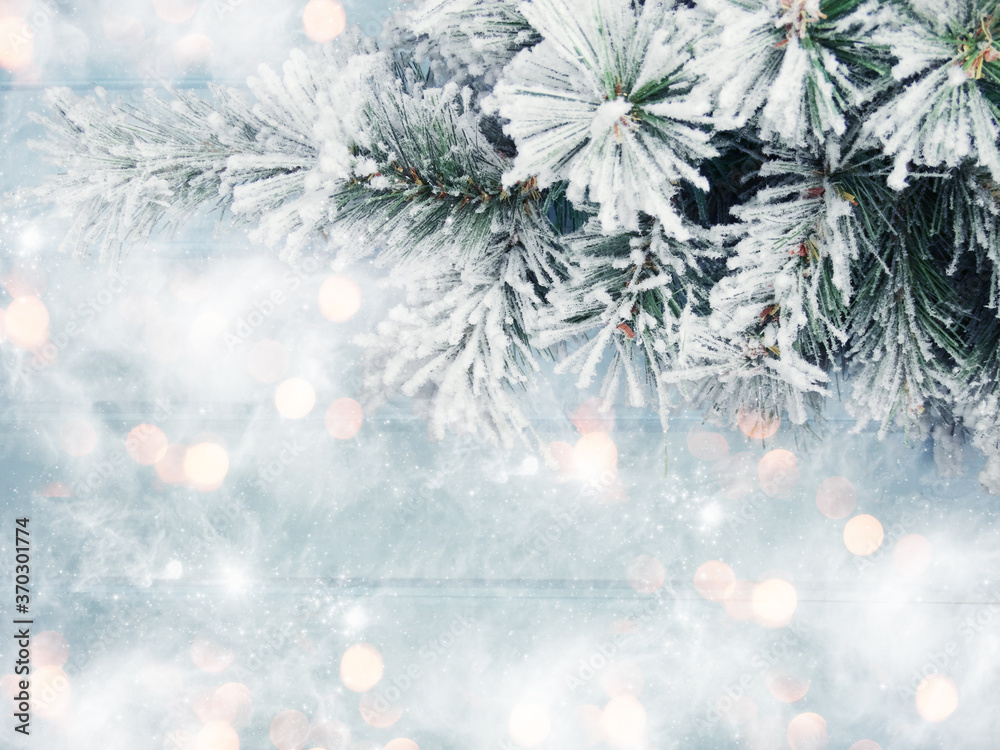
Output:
x=967 y=211
x=800 y=66
x=474 y=257
x=128 y=169
x=606 y=102
x=905 y=323
x=461 y=342
x=723 y=374
x=465 y=153
x=949 y=107
x=626 y=293
x=777 y=318
x=978 y=402
x=791 y=266
x=427 y=183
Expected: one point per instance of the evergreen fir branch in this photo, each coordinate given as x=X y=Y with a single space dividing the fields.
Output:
x=461 y=343
x=949 y=109
x=129 y=169
x=977 y=397
x=606 y=103
x=965 y=211
x=476 y=258
x=791 y=266
x=777 y=319
x=626 y=293
x=733 y=178
x=905 y=324
x=724 y=374
x=799 y=66
x=593 y=212
x=427 y=183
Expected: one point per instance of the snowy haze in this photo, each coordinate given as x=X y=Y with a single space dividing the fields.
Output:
x=541 y=595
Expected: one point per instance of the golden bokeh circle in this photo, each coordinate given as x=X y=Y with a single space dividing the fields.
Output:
x=323 y=20
x=50 y=692
x=289 y=730
x=936 y=698
x=216 y=735
x=807 y=731
x=206 y=465
x=705 y=444
x=774 y=602
x=17 y=42
x=778 y=472
x=49 y=649
x=294 y=398
x=26 y=322
x=529 y=724
x=339 y=296
x=595 y=454
x=863 y=534
x=361 y=667
x=378 y=712
x=836 y=498
x=591 y=416
x=211 y=656
x=344 y=418
x=785 y=686
x=624 y=721
x=146 y=444
x=757 y=424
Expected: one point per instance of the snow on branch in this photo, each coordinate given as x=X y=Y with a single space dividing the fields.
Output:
x=626 y=292
x=947 y=111
x=127 y=169
x=607 y=103
x=475 y=38
x=799 y=66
